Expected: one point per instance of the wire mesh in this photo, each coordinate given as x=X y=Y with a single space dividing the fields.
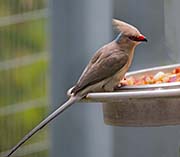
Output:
x=23 y=71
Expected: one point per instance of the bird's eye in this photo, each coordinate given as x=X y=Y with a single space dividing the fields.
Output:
x=133 y=38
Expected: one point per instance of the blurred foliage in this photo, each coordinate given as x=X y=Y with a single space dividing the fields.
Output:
x=25 y=83
x=22 y=39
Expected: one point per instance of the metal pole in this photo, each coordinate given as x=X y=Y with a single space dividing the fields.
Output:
x=78 y=29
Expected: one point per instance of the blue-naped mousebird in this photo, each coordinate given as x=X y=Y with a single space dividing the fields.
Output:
x=103 y=72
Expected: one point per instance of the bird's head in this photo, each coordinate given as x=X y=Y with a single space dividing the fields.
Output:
x=128 y=32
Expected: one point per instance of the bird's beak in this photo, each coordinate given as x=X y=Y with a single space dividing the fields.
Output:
x=142 y=38
x=145 y=39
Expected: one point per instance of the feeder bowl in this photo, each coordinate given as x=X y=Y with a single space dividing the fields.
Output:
x=142 y=105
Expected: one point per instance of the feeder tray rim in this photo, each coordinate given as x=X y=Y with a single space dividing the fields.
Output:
x=153 y=69
x=119 y=96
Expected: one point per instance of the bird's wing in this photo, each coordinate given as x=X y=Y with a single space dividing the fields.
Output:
x=102 y=66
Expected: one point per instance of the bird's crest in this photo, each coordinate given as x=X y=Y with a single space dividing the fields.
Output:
x=125 y=28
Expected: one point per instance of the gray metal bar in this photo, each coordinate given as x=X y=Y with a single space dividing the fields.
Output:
x=30 y=149
x=78 y=28
x=20 y=107
x=23 y=61
x=23 y=17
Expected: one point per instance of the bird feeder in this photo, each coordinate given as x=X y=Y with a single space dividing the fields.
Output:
x=143 y=105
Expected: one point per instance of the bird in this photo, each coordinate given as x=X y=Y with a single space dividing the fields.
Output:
x=103 y=72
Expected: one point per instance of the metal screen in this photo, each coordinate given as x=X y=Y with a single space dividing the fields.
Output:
x=23 y=74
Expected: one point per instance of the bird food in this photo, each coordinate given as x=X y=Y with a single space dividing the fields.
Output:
x=159 y=77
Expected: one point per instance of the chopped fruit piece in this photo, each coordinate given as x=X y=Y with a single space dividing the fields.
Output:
x=176 y=71
x=159 y=76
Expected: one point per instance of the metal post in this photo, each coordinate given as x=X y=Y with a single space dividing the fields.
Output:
x=78 y=29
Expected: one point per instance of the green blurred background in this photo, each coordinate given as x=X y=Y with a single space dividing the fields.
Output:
x=23 y=72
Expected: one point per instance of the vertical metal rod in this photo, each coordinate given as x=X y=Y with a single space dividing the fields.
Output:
x=78 y=29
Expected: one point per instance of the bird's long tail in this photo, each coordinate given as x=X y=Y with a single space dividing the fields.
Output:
x=58 y=111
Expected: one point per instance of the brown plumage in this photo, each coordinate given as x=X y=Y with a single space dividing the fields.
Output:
x=105 y=63
x=125 y=28
x=110 y=63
